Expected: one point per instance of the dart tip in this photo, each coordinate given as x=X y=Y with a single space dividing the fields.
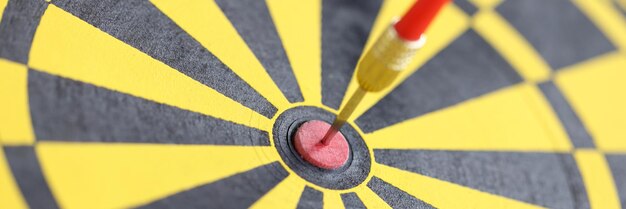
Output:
x=330 y=134
x=307 y=143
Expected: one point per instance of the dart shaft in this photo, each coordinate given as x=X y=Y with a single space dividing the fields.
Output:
x=377 y=70
x=389 y=55
x=344 y=114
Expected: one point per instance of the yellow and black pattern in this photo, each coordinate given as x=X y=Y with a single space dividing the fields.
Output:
x=180 y=104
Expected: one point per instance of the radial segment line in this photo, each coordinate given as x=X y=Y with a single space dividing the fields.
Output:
x=516 y=118
x=299 y=25
x=15 y=120
x=88 y=175
x=449 y=24
x=443 y=194
x=204 y=21
x=66 y=46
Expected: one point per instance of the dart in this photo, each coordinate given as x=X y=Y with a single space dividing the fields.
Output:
x=224 y=104
x=389 y=55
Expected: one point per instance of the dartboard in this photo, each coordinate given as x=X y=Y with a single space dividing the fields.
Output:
x=193 y=104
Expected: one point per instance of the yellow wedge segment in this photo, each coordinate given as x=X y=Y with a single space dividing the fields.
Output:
x=299 y=26
x=512 y=46
x=93 y=175
x=285 y=195
x=598 y=179
x=606 y=18
x=449 y=24
x=66 y=46
x=516 y=118
x=370 y=199
x=3 y=4
x=15 y=124
x=332 y=200
x=595 y=89
x=10 y=196
x=205 y=21
x=442 y=194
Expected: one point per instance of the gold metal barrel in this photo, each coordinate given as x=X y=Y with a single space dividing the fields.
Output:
x=385 y=60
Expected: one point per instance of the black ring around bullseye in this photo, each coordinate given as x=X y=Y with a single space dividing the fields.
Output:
x=353 y=173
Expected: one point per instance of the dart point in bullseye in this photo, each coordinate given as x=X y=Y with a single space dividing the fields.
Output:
x=322 y=144
x=389 y=56
x=307 y=142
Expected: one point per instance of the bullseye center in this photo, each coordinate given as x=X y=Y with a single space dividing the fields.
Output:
x=308 y=143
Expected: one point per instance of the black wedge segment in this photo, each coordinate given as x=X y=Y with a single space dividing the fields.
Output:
x=237 y=191
x=546 y=179
x=143 y=26
x=346 y=26
x=254 y=24
x=352 y=201
x=558 y=30
x=311 y=199
x=468 y=7
x=467 y=68
x=68 y=110
x=395 y=197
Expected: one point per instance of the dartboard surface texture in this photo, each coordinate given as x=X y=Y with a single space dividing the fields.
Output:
x=192 y=104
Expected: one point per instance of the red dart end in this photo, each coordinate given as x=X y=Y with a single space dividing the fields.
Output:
x=417 y=19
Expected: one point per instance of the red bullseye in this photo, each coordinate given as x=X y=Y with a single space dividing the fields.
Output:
x=308 y=143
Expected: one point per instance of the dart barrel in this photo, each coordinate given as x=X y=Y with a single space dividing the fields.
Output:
x=386 y=59
x=395 y=48
x=389 y=55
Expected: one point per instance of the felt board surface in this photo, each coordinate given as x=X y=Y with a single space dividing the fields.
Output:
x=191 y=104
